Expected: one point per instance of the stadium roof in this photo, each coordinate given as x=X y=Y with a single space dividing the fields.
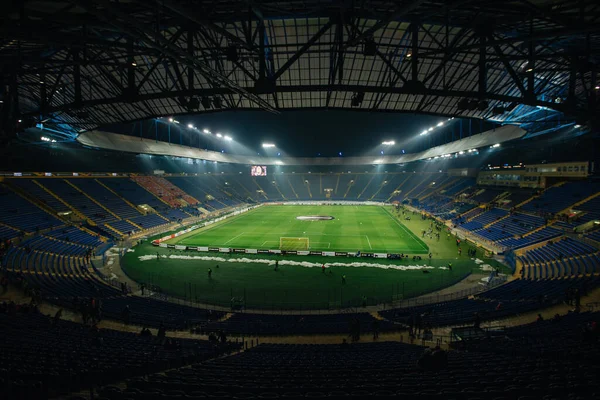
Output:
x=81 y=64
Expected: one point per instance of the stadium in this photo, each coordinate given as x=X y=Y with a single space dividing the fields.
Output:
x=299 y=199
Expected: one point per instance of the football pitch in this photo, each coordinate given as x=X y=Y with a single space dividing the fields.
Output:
x=344 y=228
x=300 y=283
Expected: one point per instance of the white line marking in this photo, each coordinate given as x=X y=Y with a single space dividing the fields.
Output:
x=235 y=237
x=370 y=247
x=402 y=226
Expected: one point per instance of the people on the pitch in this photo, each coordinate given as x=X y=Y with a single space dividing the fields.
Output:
x=276 y=265
x=323 y=268
x=343 y=279
x=209 y=273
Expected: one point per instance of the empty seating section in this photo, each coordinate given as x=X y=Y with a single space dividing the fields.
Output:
x=385 y=370
x=518 y=296
x=485 y=195
x=43 y=358
x=458 y=186
x=535 y=237
x=79 y=201
x=516 y=197
x=18 y=213
x=133 y=192
x=149 y=221
x=565 y=257
x=56 y=246
x=594 y=236
x=559 y=198
x=75 y=235
x=108 y=199
x=8 y=233
x=470 y=212
x=125 y=227
x=37 y=192
x=165 y=190
x=61 y=278
x=591 y=209
x=485 y=218
x=202 y=186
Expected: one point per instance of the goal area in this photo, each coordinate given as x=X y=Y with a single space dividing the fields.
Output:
x=293 y=243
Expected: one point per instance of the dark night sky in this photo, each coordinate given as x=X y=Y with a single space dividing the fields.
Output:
x=309 y=132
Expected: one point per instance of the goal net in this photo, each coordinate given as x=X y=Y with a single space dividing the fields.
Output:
x=293 y=243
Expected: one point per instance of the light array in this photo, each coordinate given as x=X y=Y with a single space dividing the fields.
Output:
x=460 y=153
x=439 y=125
x=268 y=145
x=388 y=143
x=47 y=139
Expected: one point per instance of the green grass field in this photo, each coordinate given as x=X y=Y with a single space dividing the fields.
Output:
x=364 y=228
x=299 y=282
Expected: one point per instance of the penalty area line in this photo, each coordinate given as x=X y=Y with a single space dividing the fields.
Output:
x=235 y=237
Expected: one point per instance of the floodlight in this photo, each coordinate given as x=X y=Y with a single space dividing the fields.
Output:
x=170 y=119
x=577 y=126
x=228 y=138
x=388 y=143
x=430 y=129
x=190 y=126
x=440 y=124
x=219 y=135
x=268 y=145
x=206 y=131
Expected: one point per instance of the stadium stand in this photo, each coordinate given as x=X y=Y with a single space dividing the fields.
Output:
x=565 y=257
x=16 y=213
x=165 y=190
x=37 y=191
x=372 y=370
x=517 y=296
x=79 y=201
x=109 y=199
x=44 y=357
x=558 y=198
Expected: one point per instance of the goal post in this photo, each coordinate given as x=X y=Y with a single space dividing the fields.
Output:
x=293 y=243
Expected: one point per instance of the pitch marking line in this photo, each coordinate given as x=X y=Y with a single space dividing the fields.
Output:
x=404 y=229
x=368 y=241
x=321 y=243
x=235 y=237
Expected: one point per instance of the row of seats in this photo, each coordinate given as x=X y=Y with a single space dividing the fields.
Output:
x=41 y=357
x=18 y=213
x=75 y=235
x=518 y=296
x=165 y=190
x=559 y=198
x=61 y=279
x=384 y=370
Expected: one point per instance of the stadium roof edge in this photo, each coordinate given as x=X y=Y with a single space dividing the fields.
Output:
x=125 y=143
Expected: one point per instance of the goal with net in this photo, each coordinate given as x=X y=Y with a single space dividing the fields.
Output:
x=293 y=243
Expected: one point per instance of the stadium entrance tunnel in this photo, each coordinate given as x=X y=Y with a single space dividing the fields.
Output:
x=314 y=217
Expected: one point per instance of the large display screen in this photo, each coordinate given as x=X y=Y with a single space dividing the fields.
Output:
x=258 y=170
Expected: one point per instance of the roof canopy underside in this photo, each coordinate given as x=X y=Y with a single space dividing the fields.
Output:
x=84 y=64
